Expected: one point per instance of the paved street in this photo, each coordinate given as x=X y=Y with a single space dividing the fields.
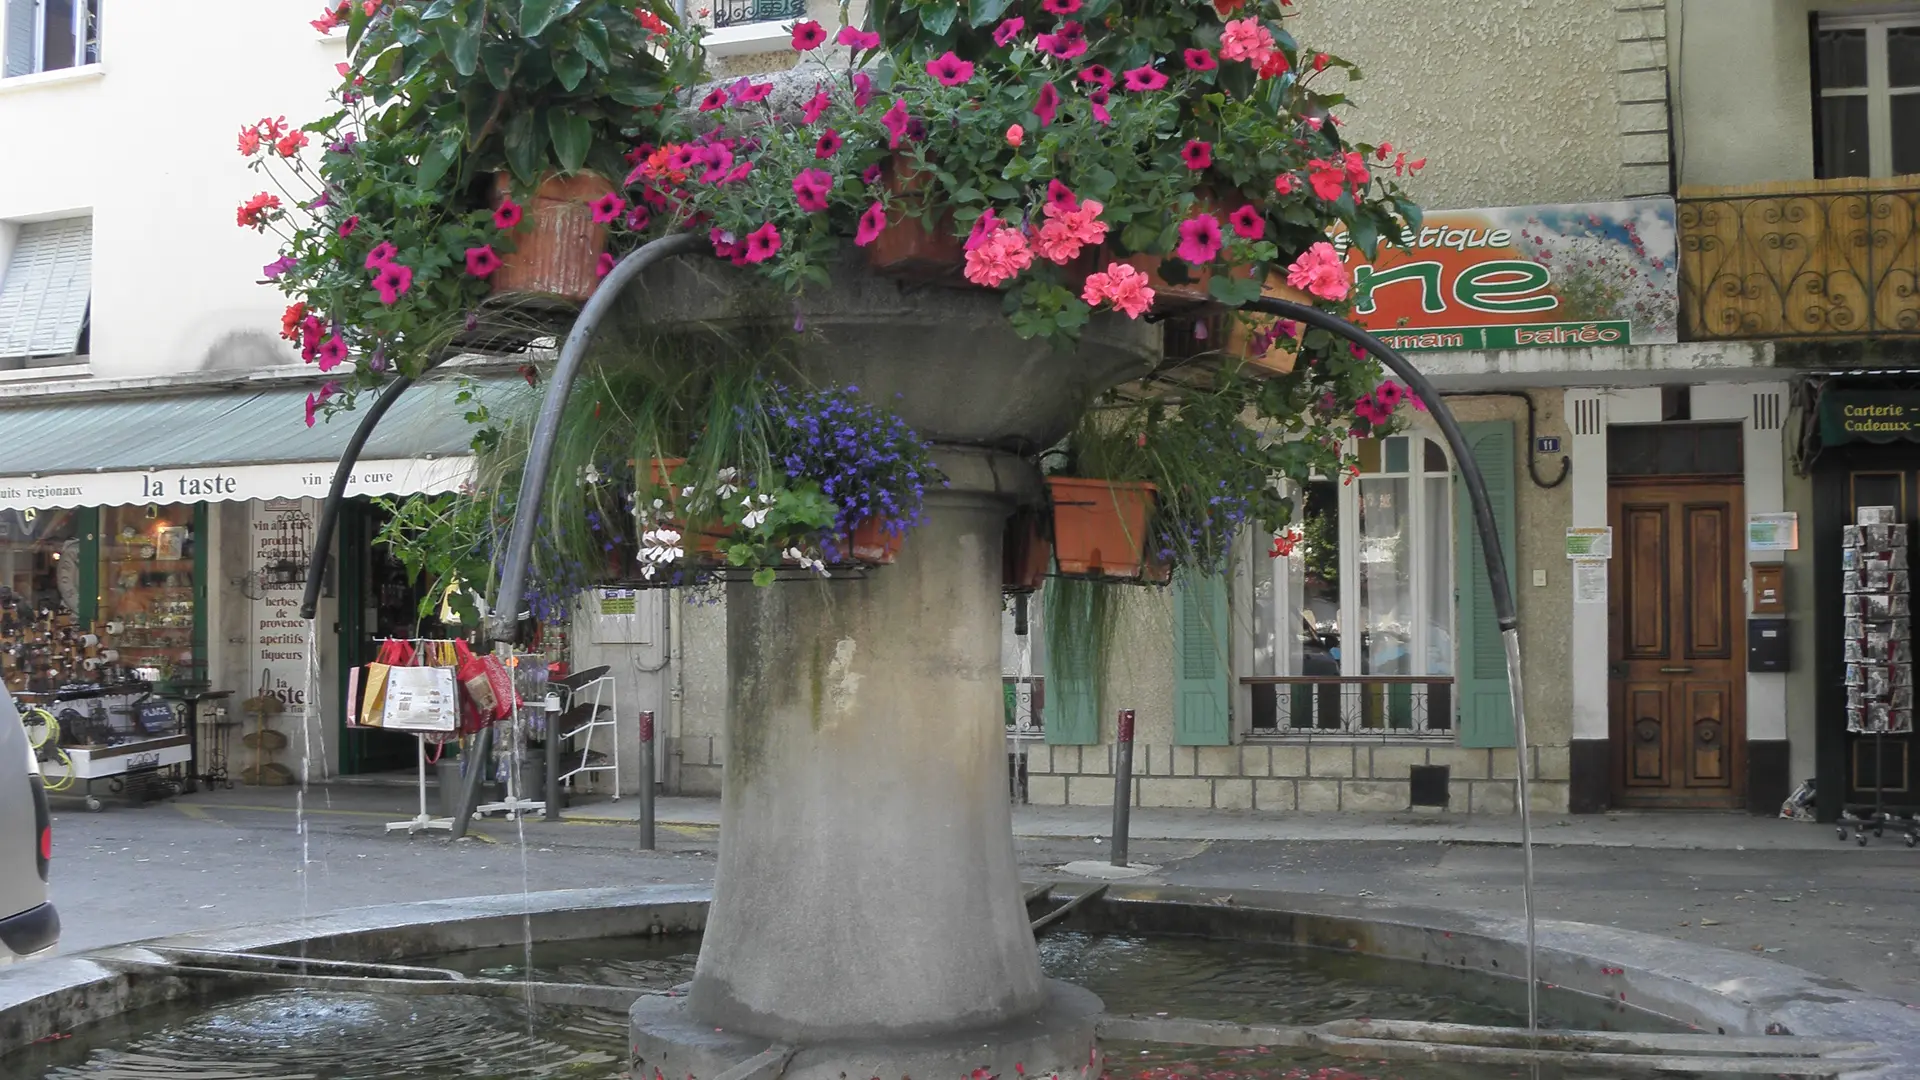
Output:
x=1795 y=893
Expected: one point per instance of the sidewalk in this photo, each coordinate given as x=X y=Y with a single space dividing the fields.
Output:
x=1667 y=830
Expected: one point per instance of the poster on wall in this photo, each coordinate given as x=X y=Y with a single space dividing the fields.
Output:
x=280 y=537
x=1524 y=277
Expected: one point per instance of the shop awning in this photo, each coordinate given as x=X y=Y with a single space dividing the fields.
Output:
x=232 y=445
x=1877 y=416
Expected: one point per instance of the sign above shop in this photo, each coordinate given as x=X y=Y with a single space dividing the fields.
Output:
x=402 y=476
x=1524 y=277
x=1879 y=416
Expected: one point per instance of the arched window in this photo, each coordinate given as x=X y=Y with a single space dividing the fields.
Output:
x=1354 y=620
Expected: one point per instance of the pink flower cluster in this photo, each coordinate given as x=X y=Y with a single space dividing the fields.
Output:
x=1245 y=39
x=1121 y=285
x=996 y=254
x=1378 y=407
x=1071 y=225
x=1320 y=271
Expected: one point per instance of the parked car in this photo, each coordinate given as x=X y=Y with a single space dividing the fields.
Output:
x=28 y=923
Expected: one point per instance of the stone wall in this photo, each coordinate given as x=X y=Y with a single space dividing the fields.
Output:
x=1304 y=775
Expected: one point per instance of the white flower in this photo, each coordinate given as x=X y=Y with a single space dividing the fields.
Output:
x=727 y=488
x=659 y=547
x=807 y=562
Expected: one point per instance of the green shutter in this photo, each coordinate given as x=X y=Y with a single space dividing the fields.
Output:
x=1486 y=712
x=1069 y=615
x=86 y=524
x=1200 y=696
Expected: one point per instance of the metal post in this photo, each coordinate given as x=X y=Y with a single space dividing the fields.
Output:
x=646 y=780
x=1122 y=785
x=552 y=755
x=474 y=776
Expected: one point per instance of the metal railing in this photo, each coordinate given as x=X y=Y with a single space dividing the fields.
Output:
x=742 y=12
x=1026 y=704
x=1386 y=705
x=1814 y=259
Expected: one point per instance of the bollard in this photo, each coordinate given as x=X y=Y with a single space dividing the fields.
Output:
x=552 y=765
x=1122 y=785
x=646 y=780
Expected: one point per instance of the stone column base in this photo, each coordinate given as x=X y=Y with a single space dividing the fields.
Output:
x=1058 y=1040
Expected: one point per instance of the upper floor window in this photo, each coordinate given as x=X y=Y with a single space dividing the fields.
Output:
x=48 y=35
x=1867 y=69
x=46 y=292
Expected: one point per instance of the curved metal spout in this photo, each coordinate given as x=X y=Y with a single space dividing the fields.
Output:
x=505 y=620
x=330 y=510
x=1496 y=560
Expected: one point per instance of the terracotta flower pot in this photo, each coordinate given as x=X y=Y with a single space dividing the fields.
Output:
x=907 y=247
x=1025 y=553
x=874 y=544
x=557 y=245
x=1100 y=526
x=703 y=543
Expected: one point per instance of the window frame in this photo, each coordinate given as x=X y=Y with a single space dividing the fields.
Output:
x=1878 y=92
x=82 y=11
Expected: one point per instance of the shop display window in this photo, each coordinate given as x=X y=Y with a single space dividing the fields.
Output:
x=147 y=609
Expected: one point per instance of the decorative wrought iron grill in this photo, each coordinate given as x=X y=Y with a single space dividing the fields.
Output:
x=742 y=12
x=1835 y=258
x=1358 y=705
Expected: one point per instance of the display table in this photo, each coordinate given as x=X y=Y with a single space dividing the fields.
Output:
x=121 y=732
x=90 y=763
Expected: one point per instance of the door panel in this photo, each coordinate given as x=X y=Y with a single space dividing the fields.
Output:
x=1678 y=680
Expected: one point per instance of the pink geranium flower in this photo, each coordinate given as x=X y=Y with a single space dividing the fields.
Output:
x=482 y=261
x=1199 y=239
x=1199 y=60
x=1008 y=29
x=810 y=189
x=828 y=145
x=1245 y=39
x=1320 y=272
x=1121 y=285
x=1069 y=228
x=949 y=69
x=763 y=243
x=895 y=121
x=1046 y=104
x=1328 y=179
x=1144 y=78
x=998 y=258
x=392 y=282
x=608 y=208
x=858 y=39
x=507 y=216
x=808 y=36
x=1016 y=135
x=1247 y=223
x=1283 y=183
x=872 y=224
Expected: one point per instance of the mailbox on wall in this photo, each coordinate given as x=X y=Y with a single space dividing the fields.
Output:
x=1769 y=646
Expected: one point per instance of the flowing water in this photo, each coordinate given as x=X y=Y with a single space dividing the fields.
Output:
x=349 y=1036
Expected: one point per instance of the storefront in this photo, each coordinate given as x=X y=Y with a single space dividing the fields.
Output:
x=161 y=543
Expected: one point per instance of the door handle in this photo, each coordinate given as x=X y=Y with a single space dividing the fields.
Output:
x=1676 y=671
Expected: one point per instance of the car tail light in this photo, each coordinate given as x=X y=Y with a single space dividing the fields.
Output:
x=43 y=826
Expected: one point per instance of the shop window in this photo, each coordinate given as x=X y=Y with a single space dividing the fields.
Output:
x=147 y=605
x=46 y=293
x=42 y=646
x=1867 y=79
x=1354 y=615
x=48 y=35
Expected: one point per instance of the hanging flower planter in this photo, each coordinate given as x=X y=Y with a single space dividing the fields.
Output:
x=1026 y=553
x=702 y=545
x=557 y=244
x=1100 y=526
x=1254 y=341
x=907 y=247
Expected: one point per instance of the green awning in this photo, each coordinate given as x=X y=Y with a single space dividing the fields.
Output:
x=232 y=445
x=1878 y=416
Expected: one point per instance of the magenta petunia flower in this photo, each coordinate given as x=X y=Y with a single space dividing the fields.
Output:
x=738 y=173
x=871 y=174
x=608 y=208
x=1047 y=104
x=1059 y=7
x=1008 y=29
x=1097 y=101
x=858 y=39
x=1196 y=155
x=719 y=161
x=382 y=254
x=1060 y=198
x=716 y=99
x=895 y=121
x=604 y=264
x=279 y=266
x=317 y=401
x=872 y=224
x=482 y=261
x=507 y=216
x=949 y=69
x=815 y=105
x=347 y=226
x=333 y=353
x=1389 y=394
x=392 y=282
x=808 y=36
x=1144 y=78
x=1248 y=224
x=639 y=217
x=1096 y=76
x=1199 y=239
x=755 y=93
x=1200 y=60
x=763 y=243
x=828 y=145
x=810 y=189
x=1068 y=41
x=862 y=89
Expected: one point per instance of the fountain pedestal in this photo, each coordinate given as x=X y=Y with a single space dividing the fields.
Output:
x=867 y=904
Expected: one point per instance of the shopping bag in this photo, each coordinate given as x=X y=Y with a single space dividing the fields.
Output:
x=373 y=688
x=473 y=677
x=502 y=681
x=420 y=699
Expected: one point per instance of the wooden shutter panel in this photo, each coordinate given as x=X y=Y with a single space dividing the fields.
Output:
x=1486 y=712
x=1071 y=714
x=47 y=288
x=19 y=17
x=1200 y=695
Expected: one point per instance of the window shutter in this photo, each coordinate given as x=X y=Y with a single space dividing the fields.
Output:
x=20 y=27
x=49 y=283
x=1486 y=712
x=1200 y=698
x=1071 y=713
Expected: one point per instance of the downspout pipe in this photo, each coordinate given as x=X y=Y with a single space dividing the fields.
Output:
x=1533 y=435
x=1496 y=563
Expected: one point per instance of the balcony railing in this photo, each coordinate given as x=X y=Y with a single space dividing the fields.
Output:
x=742 y=12
x=1385 y=705
x=1814 y=259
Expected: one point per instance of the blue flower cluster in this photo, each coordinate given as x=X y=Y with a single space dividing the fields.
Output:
x=867 y=460
x=1196 y=525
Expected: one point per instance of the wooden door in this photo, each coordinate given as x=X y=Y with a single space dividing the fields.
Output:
x=1676 y=620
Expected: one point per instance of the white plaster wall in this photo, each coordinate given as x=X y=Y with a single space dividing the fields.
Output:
x=146 y=142
x=639 y=670
x=1512 y=102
